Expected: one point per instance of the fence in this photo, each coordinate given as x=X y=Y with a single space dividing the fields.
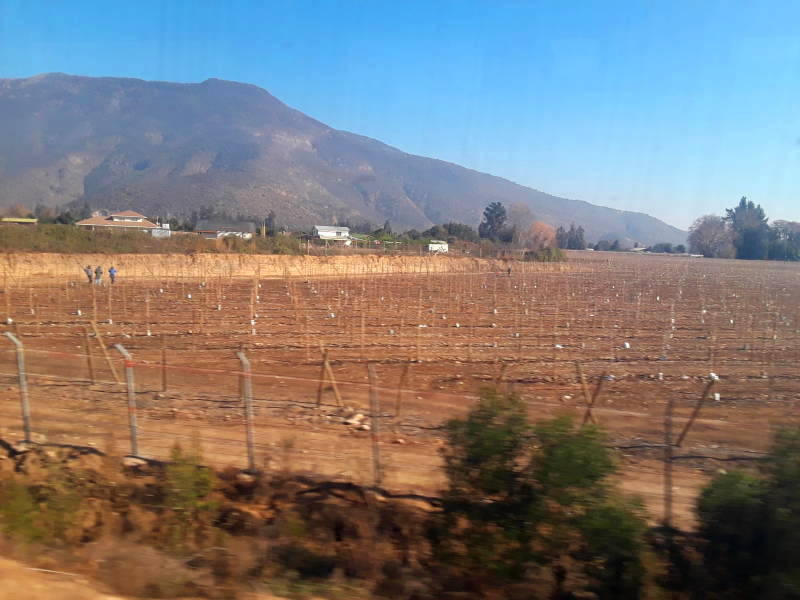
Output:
x=103 y=396
x=649 y=330
x=363 y=431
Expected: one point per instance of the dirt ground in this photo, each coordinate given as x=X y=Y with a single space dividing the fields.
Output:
x=21 y=581
x=645 y=329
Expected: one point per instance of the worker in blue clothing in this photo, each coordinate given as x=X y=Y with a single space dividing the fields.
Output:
x=112 y=273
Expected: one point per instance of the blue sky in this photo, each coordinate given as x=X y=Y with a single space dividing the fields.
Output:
x=672 y=108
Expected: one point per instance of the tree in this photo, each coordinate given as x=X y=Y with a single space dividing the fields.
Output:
x=750 y=527
x=524 y=498
x=270 y=226
x=44 y=213
x=603 y=246
x=572 y=239
x=710 y=236
x=680 y=249
x=784 y=241
x=538 y=236
x=493 y=226
x=456 y=231
x=750 y=229
x=520 y=219
x=661 y=247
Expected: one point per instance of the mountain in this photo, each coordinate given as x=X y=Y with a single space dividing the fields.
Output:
x=169 y=148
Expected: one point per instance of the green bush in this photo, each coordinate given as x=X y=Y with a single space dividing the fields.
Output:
x=187 y=492
x=750 y=527
x=19 y=513
x=545 y=255
x=524 y=498
x=41 y=513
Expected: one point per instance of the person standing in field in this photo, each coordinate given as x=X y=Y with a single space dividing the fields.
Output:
x=88 y=271
x=112 y=274
x=98 y=275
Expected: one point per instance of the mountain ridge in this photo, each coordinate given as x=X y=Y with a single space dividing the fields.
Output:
x=170 y=148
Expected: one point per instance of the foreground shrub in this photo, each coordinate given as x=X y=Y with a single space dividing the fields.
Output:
x=187 y=492
x=529 y=503
x=750 y=528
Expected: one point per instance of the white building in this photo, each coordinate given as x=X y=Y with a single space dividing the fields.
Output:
x=214 y=230
x=438 y=246
x=332 y=234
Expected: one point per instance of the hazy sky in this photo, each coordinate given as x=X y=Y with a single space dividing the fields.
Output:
x=672 y=108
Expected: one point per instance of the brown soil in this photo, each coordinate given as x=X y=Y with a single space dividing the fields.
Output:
x=459 y=330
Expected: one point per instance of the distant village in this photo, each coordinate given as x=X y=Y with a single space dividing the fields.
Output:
x=225 y=228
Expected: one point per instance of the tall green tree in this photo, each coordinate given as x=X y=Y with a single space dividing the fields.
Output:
x=529 y=501
x=750 y=229
x=270 y=226
x=571 y=239
x=493 y=225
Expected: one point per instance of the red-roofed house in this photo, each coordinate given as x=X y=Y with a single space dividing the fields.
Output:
x=126 y=219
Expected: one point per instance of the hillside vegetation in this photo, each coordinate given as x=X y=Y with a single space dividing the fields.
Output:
x=74 y=240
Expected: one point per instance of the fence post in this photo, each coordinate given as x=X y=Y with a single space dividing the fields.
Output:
x=667 y=523
x=247 y=398
x=131 y=398
x=163 y=363
x=23 y=385
x=89 y=361
x=375 y=409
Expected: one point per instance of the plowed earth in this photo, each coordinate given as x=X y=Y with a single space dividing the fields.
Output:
x=650 y=328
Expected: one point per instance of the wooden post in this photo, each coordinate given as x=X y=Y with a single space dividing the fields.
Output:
x=363 y=333
x=588 y=416
x=89 y=361
x=375 y=413
x=582 y=381
x=668 y=464
x=333 y=381
x=163 y=363
x=109 y=362
x=327 y=373
x=147 y=311
x=322 y=372
x=399 y=400
x=8 y=297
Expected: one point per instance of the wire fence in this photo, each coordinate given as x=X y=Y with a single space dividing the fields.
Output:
x=649 y=331
x=104 y=397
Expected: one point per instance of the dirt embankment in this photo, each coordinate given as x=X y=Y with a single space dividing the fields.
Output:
x=68 y=266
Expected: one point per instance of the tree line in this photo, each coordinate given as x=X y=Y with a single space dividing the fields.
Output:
x=744 y=232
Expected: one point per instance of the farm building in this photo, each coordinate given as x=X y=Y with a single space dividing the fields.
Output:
x=439 y=246
x=331 y=233
x=127 y=220
x=214 y=230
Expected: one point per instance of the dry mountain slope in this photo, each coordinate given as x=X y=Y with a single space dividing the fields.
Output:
x=168 y=148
